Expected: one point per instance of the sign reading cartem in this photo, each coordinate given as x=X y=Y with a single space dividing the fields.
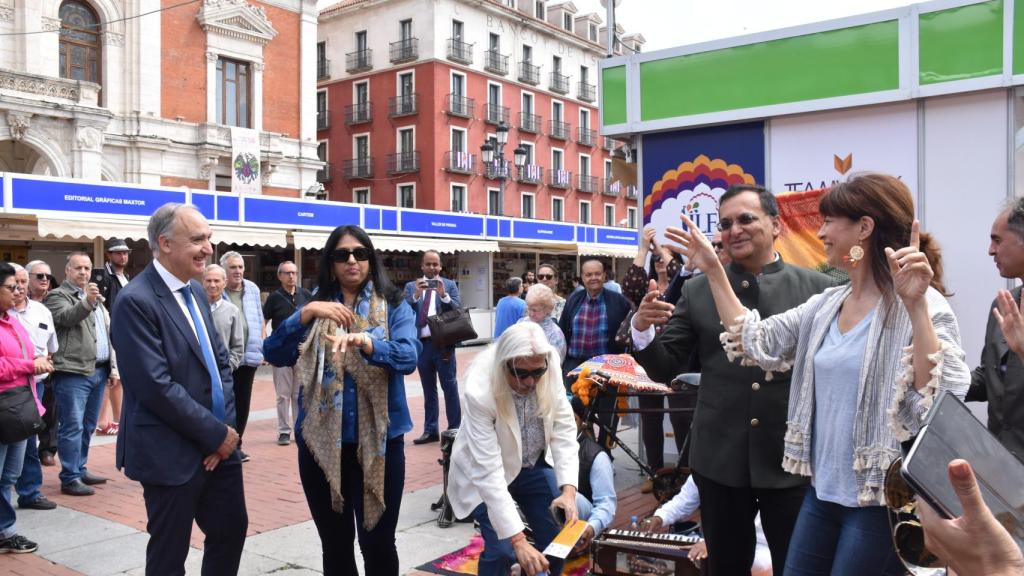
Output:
x=274 y=211
x=623 y=237
x=30 y=194
x=814 y=151
x=687 y=171
x=441 y=223
x=542 y=231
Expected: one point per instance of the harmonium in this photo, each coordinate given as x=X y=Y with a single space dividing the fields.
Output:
x=632 y=553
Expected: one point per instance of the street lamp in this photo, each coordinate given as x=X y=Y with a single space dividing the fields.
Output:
x=490 y=152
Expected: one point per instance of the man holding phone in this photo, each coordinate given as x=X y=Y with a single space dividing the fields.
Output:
x=82 y=365
x=431 y=295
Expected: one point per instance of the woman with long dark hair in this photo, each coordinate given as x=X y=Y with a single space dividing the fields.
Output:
x=352 y=344
x=868 y=359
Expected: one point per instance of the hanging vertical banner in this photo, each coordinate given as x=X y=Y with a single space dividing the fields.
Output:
x=245 y=161
x=687 y=171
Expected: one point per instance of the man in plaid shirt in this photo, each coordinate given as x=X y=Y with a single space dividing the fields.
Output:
x=591 y=317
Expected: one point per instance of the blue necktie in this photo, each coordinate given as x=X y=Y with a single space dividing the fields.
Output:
x=211 y=365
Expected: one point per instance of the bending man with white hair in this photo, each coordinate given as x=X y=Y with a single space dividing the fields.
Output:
x=517 y=445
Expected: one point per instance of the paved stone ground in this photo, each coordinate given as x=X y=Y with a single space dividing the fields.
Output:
x=106 y=534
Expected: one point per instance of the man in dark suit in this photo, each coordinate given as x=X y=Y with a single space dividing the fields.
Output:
x=999 y=378
x=591 y=318
x=736 y=440
x=177 y=437
x=429 y=296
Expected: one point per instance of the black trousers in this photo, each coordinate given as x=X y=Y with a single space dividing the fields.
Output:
x=727 y=517
x=652 y=426
x=216 y=501
x=243 y=377
x=48 y=437
x=339 y=530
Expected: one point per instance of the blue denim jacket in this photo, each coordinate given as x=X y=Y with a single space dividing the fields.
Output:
x=398 y=354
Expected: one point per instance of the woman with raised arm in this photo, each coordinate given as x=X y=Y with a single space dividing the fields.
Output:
x=868 y=359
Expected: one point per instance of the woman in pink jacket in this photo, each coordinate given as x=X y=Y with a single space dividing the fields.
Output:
x=18 y=365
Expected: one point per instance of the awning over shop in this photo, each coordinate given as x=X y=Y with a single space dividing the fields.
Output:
x=586 y=249
x=82 y=229
x=442 y=245
x=249 y=236
x=539 y=247
x=136 y=230
x=309 y=240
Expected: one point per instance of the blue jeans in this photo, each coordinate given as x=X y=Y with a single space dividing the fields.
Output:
x=533 y=489
x=834 y=539
x=78 y=407
x=11 y=458
x=431 y=365
x=32 y=471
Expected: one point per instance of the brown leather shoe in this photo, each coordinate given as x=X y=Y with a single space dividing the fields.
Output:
x=46 y=459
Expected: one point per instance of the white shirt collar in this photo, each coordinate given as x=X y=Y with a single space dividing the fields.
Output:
x=215 y=305
x=172 y=281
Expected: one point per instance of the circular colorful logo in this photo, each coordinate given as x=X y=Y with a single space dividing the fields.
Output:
x=246 y=167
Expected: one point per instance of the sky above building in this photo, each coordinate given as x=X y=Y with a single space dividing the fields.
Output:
x=668 y=23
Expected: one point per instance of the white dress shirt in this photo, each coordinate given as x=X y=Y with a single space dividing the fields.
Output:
x=432 y=305
x=174 y=285
x=38 y=322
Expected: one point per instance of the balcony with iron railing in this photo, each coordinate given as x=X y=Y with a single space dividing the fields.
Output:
x=496 y=114
x=402 y=105
x=586 y=92
x=631 y=192
x=609 y=144
x=495 y=62
x=529 y=122
x=531 y=174
x=405 y=50
x=457 y=105
x=460 y=51
x=359 y=61
x=611 y=187
x=559 y=83
x=586 y=183
x=459 y=161
x=496 y=169
x=323 y=119
x=559 y=130
x=585 y=136
x=358 y=113
x=529 y=74
x=323 y=69
x=358 y=168
x=559 y=178
x=324 y=174
x=403 y=162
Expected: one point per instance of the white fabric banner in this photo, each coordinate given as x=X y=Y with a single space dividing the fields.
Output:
x=812 y=151
x=245 y=161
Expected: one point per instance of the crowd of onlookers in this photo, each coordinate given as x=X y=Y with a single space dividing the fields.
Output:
x=807 y=388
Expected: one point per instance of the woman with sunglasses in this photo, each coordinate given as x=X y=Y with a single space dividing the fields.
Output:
x=517 y=446
x=352 y=345
x=18 y=367
x=868 y=359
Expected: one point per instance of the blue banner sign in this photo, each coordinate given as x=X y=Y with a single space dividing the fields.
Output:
x=227 y=208
x=33 y=194
x=442 y=223
x=533 y=230
x=274 y=211
x=624 y=237
x=206 y=204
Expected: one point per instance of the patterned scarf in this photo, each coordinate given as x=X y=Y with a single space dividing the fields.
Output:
x=321 y=428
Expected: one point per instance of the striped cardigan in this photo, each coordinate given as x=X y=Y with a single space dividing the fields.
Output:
x=889 y=408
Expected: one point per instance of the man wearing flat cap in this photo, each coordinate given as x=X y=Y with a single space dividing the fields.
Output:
x=117 y=263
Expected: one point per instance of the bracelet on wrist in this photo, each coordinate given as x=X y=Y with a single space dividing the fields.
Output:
x=517 y=538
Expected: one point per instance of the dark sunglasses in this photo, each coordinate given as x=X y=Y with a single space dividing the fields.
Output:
x=717 y=245
x=523 y=374
x=362 y=254
x=545 y=276
x=745 y=219
x=42 y=277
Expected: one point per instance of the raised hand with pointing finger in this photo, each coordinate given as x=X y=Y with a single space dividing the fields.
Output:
x=911 y=272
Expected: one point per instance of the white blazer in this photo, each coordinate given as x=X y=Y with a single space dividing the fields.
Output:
x=488 y=454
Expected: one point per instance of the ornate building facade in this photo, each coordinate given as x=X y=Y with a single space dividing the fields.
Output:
x=147 y=91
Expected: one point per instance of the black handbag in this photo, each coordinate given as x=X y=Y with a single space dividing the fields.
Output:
x=451 y=327
x=19 y=416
